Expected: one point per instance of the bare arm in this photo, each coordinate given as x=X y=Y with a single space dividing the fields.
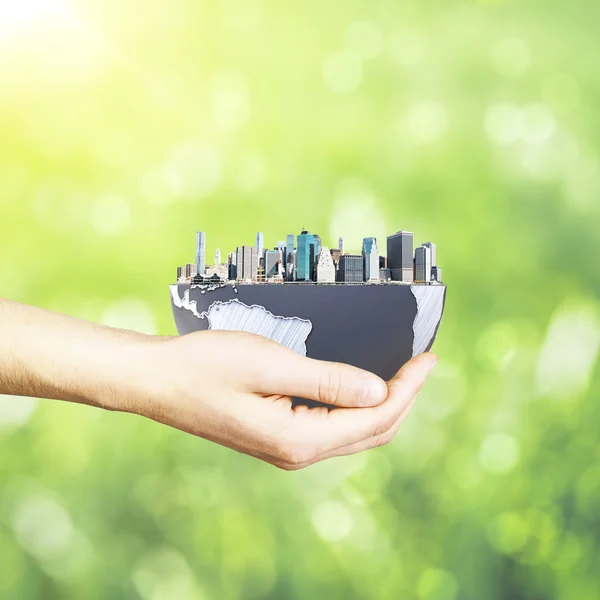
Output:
x=232 y=388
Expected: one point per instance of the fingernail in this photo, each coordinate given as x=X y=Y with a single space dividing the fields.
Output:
x=374 y=391
x=433 y=363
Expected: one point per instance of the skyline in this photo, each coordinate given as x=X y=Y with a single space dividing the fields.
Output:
x=304 y=258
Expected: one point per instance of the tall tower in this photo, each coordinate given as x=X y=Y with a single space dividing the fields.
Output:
x=370 y=259
x=341 y=245
x=423 y=264
x=305 y=257
x=246 y=263
x=200 y=252
x=400 y=256
x=217 y=257
x=432 y=247
x=260 y=242
x=288 y=258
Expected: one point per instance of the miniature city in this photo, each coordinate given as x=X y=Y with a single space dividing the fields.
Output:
x=303 y=259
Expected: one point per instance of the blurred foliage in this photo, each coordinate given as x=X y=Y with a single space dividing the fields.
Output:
x=127 y=126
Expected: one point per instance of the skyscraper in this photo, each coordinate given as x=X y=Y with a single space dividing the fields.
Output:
x=432 y=247
x=200 y=252
x=325 y=266
x=400 y=256
x=351 y=268
x=260 y=242
x=231 y=265
x=217 y=257
x=423 y=264
x=341 y=245
x=288 y=257
x=246 y=263
x=436 y=274
x=272 y=260
x=370 y=259
x=294 y=264
x=305 y=257
x=318 y=243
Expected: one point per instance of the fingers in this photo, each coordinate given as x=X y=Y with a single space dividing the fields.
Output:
x=372 y=442
x=284 y=372
x=352 y=430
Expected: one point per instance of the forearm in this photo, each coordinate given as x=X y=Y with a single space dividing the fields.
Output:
x=48 y=355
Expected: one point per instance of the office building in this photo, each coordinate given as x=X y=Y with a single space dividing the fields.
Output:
x=436 y=274
x=272 y=262
x=200 y=252
x=288 y=255
x=385 y=274
x=341 y=244
x=400 y=256
x=432 y=248
x=370 y=259
x=325 y=267
x=382 y=262
x=423 y=264
x=190 y=271
x=180 y=272
x=350 y=269
x=246 y=263
x=305 y=256
x=232 y=266
x=217 y=257
x=260 y=243
x=318 y=244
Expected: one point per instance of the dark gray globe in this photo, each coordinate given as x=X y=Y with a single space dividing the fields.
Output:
x=377 y=327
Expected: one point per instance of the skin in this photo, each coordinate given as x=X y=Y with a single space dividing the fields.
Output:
x=231 y=388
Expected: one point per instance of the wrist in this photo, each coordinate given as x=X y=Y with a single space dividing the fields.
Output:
x=119 y=372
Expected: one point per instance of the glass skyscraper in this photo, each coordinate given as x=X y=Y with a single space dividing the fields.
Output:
x=200 y=252
x=370 y=259
x=400 y=256
x=305 y=256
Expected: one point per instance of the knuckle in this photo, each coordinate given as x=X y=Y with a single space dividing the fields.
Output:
x=382 y=440
x=330 y=387
x=293 y=455
x=384 y=425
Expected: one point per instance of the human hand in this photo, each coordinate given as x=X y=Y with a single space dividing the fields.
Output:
x=236 y=389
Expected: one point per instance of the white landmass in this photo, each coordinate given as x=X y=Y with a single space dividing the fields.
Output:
x=234 y=315
x=430 y=304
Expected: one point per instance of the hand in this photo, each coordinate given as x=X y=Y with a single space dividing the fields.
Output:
x=235 y=389
x=232 y=388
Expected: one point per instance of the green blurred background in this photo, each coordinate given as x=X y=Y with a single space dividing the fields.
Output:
x=127 y=126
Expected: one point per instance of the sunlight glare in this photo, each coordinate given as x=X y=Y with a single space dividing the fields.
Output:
x=17 y=16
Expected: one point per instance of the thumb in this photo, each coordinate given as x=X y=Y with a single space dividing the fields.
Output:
x=331 y=383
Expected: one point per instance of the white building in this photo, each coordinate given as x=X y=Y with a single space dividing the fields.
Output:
x=325 y=266
x=423 y=264
x=432 y=248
